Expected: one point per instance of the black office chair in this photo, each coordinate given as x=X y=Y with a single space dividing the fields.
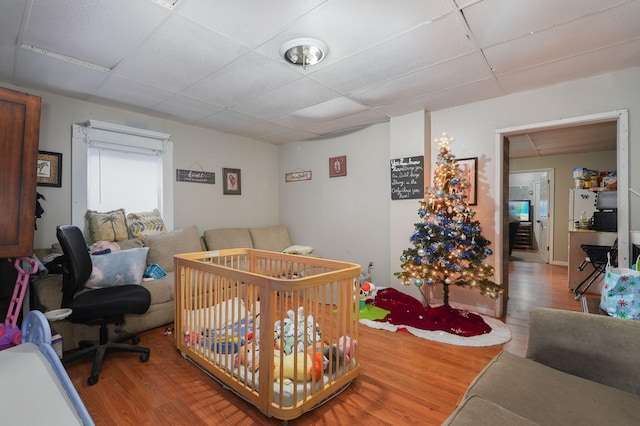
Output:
x=101 y=306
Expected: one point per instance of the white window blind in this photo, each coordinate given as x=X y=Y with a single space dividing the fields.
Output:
x=120 y=176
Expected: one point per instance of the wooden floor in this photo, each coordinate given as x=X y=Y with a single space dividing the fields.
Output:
x=404 y=380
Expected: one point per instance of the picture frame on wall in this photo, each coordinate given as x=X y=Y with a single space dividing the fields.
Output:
x=231 y=179
x=49 y=169
x=338 y=166
x=469 y=167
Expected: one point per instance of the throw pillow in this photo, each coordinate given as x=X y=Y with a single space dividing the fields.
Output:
x=118 y=268
x=146 y=223
x=163 y=247
x=107 y=226
x=296 y=249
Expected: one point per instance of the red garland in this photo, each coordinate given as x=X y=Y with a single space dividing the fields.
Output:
x=407 y=310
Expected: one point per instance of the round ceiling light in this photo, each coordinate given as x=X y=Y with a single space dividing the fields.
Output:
x=304 y=51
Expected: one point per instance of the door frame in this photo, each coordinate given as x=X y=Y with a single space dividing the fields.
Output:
x=621 y=117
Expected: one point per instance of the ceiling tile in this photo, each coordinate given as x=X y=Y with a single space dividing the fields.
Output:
x=7 y=53
x=448 y=74
x=424 y=46
x=46 y=72
x=174 y=63
x=296 y=95
x=492 y=21
x=588 y=64
x=611 y=27
x=247 y=77
x=351 y=26
x=227 y=121
x=137 y=96
x=186 y=109
x=11 y=19
x=79 y=28
x=250 y=22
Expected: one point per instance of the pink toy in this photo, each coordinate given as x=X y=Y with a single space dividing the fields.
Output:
x=10 y=334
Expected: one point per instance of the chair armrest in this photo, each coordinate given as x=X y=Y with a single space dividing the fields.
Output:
x=595 y=347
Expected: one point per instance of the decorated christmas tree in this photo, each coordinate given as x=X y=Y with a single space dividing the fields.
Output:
x=448 y=246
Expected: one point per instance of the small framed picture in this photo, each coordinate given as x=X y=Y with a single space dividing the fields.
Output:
x=49 y=169
x=231 y=182
x=338 y=166
x=469 y=167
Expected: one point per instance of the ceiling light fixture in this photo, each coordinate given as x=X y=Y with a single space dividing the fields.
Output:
x=304 y=51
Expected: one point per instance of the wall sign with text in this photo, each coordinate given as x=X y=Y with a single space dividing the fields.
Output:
x=195 y=176
x=407 y=178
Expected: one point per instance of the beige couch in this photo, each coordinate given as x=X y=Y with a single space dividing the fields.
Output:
x=579 y=369
x=162 y=248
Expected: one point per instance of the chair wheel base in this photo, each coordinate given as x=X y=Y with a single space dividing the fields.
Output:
x=144 y=357
x=92 y=380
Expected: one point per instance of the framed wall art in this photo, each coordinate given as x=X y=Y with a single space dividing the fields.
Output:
x=469 y=167
x=297 y=176
x=231 y=182
x=338 y=166
x=49 y=169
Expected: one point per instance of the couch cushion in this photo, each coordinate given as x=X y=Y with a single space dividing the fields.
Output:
x=163 y=247
x=227 y=238
x=272 y=238
x=476 y=411
x=161 y=289
x=107 y=226
x=550 y=397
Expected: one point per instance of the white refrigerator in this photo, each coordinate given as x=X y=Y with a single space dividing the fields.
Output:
x=580 y=200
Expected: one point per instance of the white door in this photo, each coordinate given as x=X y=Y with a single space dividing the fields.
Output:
x=541 y=216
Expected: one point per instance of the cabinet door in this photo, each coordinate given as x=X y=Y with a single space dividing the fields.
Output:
x=20 y=132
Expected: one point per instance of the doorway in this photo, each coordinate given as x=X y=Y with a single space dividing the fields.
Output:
x=536 y=186
x=620 y=117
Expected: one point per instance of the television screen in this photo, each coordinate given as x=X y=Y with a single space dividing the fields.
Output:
x=520 y=209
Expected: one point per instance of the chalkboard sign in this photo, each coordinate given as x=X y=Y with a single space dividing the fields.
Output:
x=407 y=178
x=195 y=176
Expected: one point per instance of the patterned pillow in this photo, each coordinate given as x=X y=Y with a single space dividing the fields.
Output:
x=118 y=268
x=146 y=223
x=107 y=226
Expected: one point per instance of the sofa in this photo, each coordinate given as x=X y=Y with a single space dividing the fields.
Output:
x=579 y=368
x=47 y=289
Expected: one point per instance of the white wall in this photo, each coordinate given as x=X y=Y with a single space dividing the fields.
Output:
x=194 y=147
x=343 y=218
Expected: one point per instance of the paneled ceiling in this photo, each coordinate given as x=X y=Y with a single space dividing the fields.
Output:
x=216 y=63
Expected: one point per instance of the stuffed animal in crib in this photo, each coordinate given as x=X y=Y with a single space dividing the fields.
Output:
x=293 y=367
x=306 y=336
x=247 y=356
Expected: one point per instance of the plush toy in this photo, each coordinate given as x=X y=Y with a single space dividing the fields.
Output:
x=293 y=367
x=285 y=330
x=347 y=346
x=246 y=355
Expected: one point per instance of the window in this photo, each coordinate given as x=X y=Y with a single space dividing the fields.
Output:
x=120 y=167
x=121 y=176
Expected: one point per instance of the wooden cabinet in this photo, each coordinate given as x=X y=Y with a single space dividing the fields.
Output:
x=20 y=130
x=524 y=236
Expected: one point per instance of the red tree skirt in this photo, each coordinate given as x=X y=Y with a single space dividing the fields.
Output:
x=407 y=310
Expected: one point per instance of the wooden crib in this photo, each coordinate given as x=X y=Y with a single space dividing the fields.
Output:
x=279 y=330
